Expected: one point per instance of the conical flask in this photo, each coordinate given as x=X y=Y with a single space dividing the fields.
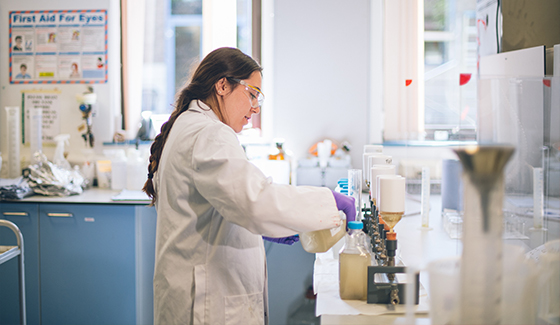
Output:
x=481 y=265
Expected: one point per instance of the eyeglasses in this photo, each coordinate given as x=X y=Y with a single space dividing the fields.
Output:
x=257 y=98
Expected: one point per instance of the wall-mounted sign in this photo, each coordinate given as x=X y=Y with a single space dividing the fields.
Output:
x=47 y=101
x=58 y=46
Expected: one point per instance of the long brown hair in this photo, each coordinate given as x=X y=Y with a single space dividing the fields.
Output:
x=225 y=62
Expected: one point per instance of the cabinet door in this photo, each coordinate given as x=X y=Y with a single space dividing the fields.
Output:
x=87 y=256
x=25 y=216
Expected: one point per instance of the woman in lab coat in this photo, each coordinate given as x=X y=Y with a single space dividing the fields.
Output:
x=214 y=206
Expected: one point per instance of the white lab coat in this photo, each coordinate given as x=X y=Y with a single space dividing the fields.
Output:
x=213 y=206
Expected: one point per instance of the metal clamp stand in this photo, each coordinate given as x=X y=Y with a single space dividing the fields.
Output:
x=389 y=292
x=9 y=252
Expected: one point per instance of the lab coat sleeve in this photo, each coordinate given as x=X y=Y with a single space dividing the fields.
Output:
x=241 y=193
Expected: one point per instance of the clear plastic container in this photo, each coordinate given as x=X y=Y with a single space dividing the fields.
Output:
x=321 y=241
x=354 y=259
x=118 y=170
x=136 y=170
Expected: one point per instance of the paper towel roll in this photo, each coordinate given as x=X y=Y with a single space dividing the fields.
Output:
x=390 y=193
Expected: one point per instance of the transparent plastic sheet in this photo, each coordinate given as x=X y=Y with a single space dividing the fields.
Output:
x=46 y=178
x=525 y=112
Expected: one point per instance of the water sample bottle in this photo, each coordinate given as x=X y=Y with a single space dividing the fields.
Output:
x=321 y=241
x=354 y=259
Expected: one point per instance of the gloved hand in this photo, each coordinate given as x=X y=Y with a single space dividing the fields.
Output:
x=284 y=240
x=346 y=204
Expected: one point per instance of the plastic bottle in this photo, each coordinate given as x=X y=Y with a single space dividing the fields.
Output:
x=136 y=171
x=321 y=241
x=58 y=158
x=118 y=170
x=354 y=259
x=279 y=153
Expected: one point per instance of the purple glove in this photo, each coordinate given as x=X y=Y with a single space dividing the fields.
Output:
x=284 y=240
x=346 y=204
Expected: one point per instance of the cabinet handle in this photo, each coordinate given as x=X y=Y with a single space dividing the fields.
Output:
x=59 y=214
x=19 y=214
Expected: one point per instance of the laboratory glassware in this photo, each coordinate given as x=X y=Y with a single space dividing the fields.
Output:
x=391 y=191
x=481 y=265
x=324 y=152
x=355 y=190
x=425 y=198
x=14 y=139
x=36 y=132
x=538 y=199
x=354 y=259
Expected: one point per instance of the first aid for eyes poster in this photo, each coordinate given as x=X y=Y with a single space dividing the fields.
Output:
x=58 y=47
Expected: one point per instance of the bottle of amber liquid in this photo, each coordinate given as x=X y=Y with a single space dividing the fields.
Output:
x=354 y=259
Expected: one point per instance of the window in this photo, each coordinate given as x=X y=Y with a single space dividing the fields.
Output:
x=173 y=44
x=429 y=70
x=450 y=69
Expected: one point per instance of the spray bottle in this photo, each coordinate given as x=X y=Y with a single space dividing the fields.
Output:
x=59 y=159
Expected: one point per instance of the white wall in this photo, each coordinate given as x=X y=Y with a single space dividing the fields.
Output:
x=320 y=51
x=108 y=95
x=321 y=73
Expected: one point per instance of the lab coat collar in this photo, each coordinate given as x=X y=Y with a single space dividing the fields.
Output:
x=200 y=107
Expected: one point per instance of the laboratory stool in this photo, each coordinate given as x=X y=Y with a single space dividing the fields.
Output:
x=9 y=252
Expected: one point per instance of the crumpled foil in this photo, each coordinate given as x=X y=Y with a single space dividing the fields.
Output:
x=16 y=191
x=49 y=179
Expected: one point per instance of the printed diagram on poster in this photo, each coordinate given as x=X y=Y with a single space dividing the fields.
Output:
x=47 y=101
x=58 y=46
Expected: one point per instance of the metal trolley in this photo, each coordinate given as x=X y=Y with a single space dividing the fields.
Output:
x=9 y=252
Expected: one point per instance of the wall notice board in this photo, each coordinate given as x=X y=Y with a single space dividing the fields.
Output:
x=58 y=46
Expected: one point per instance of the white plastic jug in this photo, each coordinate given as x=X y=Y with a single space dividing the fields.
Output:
x=136 y=171
x=118 y=170
x=321 y=241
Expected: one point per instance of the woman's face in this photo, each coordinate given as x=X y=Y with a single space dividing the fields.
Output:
x=237 y=103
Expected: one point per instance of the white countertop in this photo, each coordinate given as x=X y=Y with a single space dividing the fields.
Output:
x=89 y=196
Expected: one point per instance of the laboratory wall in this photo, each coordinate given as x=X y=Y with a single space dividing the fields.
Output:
x=106 y=111
x=321 y=77
x=321 y=73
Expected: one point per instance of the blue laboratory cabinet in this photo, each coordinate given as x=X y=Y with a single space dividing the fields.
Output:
x=85 y=264
x=25 y=217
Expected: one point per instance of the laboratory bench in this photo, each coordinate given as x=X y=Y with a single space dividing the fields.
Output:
x=88 y=259
x=417 y=246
